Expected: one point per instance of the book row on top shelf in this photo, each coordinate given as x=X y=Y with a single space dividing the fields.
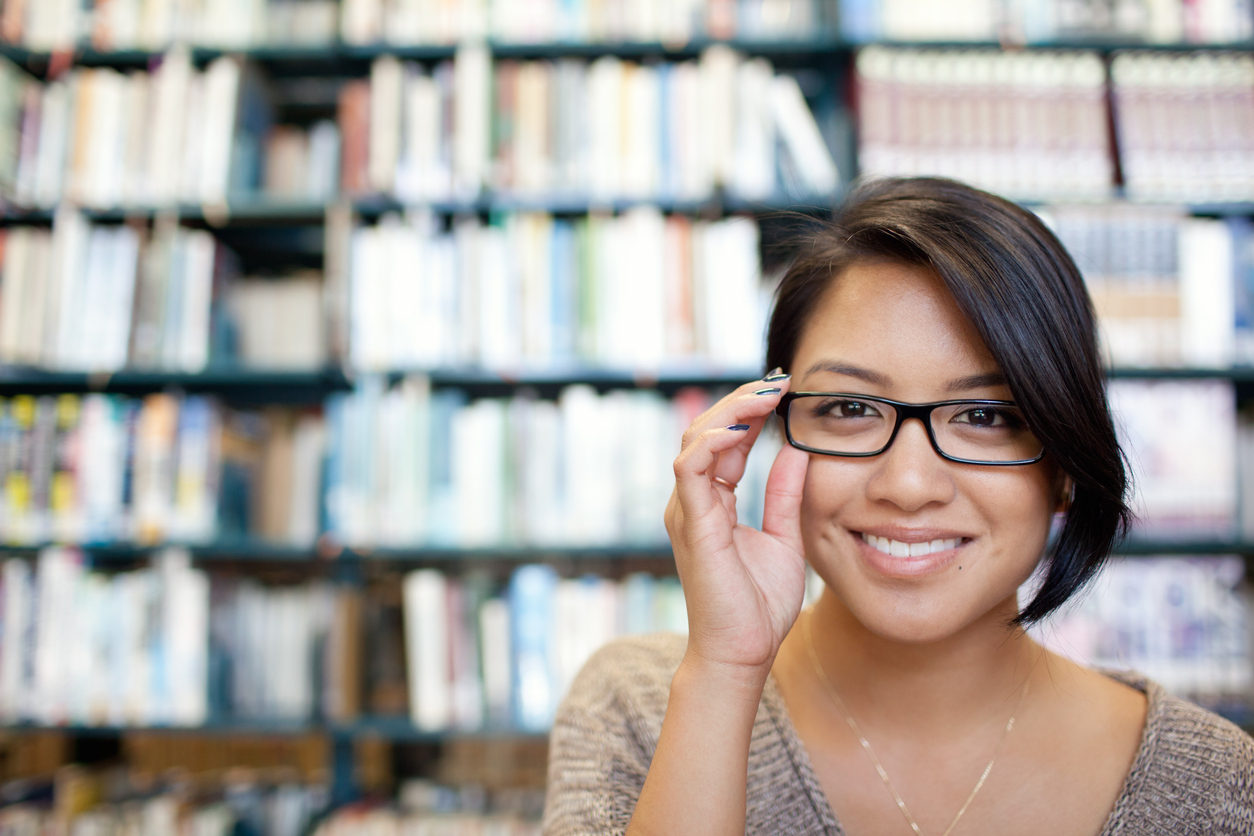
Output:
x=233 y=24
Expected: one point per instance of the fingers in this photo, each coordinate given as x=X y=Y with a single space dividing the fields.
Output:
x=750 y=404
x=695 y=465
x=781 y=516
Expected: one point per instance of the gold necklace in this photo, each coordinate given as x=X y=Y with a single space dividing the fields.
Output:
x=866 y=744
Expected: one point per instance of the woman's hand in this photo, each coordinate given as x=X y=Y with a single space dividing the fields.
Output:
x=743 y=587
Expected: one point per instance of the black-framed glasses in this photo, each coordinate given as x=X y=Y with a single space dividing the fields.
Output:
x=964 y=431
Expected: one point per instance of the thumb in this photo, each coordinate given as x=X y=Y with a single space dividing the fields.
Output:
x=781 y=515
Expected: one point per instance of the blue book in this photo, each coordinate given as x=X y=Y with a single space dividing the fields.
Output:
x=442 y=503
x=531 y=594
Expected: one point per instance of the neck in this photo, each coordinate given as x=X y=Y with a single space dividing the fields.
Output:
x=944 y=687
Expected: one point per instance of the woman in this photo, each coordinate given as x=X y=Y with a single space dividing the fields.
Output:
x=908 y=699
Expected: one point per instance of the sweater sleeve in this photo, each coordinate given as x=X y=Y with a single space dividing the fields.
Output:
x=605 y=733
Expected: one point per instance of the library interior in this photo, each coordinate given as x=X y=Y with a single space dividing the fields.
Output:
x=311 y=514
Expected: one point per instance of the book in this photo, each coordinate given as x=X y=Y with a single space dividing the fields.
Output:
x=1029 y=125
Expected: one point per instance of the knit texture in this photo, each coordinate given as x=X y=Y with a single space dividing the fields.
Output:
x=1193 y=772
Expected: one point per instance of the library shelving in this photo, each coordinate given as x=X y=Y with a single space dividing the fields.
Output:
x=266 y=225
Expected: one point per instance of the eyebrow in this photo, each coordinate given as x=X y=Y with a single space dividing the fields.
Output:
x=977 y=381
x=960 y=384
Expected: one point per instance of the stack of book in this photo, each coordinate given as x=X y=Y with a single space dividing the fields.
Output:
x=410 y=22
x=410 y=467
x=88 y=297
x=1027 y=125
x=103 y=138
x=1184 y=125
x=105 y=469
x=156 y=24
x=87 y=649
x=1180 y=437
x=1042 y=21
x=83 y=800
x=635 y=291
x=1181 y=622
x=1170 y=290
x=606 y=130
x=476 y=661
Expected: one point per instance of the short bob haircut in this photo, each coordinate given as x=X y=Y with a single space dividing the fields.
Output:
x=1017 y=285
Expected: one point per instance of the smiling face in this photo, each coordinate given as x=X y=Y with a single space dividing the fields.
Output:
x=917 y=547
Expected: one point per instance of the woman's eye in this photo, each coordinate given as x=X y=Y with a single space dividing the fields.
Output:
x=988 y=416
x=848 y=409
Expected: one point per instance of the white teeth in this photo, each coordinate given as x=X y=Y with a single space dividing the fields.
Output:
x=899 y=549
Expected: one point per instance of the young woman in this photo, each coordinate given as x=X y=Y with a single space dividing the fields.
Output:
x=943 y=401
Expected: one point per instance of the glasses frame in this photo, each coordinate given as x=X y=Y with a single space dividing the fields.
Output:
x=922 y=411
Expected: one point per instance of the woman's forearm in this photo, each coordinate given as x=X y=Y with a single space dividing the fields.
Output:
x=697 y=779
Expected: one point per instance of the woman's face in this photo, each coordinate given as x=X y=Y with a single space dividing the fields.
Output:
x=893 y=330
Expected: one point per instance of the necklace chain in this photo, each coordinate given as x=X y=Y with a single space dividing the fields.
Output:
x=866 y=744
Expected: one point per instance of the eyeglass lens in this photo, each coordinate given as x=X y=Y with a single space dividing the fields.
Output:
x=976 y=432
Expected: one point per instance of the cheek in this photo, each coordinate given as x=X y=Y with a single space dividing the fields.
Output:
x=831 y=485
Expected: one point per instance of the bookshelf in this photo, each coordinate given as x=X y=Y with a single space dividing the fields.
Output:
x=270 y=234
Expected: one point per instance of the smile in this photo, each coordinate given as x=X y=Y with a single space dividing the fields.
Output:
x=898 y=548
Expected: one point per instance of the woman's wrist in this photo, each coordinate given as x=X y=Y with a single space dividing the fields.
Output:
x=725 y=680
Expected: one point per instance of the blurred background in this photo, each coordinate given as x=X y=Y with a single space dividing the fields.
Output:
x=345 y=347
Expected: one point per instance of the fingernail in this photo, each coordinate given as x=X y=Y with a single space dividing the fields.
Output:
x=739 y=427
x=771 y=378
x=773 y=372
x=767 y=392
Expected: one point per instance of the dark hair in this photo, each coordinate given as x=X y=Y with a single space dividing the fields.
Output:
x=1014 y=281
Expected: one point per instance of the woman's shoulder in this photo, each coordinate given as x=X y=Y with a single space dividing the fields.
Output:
x=1191 y=763
x=629 y=676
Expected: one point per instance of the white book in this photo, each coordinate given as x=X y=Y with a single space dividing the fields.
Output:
x=419 y=176
x=472 y=80
x=533 y=122
x=605 y=133
x=1207 y=317
x=403 y=435
x=497 y=653
x=693 y=168
x=92 y=349
x=309 y=449
x=591 y=433
x=478 y=443
x=192 y=153
x=427 y=649
x=102 y=468
x=753 y=175
x=16 y=641
x=56 y=579
x=500 y=315
x=137 y=116
x=324 y=161
x=361 y=21
x=196 y=280
x=386 y=88
x=14 y=306
x=54 y=137
x=367 y=302
x=35 y=292
x=717 y=102
x=221 y=98
x=801 y=137
x=171 y=90
x=530 y=238
x=63 y=306
x=186 y=614
x=119 y=302
x=730 y=292
x=641 y=106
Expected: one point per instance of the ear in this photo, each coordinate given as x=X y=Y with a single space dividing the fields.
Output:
x=1066 y=495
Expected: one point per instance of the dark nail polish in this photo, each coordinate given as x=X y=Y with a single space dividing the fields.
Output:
x=767 y=392
x=775 y=372
x=739 y=427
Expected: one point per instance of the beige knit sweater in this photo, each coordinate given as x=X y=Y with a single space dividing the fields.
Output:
x=1193 y=772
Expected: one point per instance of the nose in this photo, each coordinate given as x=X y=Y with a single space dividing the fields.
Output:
x=911 y=474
